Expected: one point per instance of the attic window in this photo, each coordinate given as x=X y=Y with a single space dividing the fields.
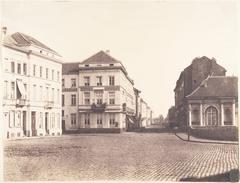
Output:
x=111 y=64
x=86 y=65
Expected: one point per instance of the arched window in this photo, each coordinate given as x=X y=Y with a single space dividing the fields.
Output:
x=211 y=116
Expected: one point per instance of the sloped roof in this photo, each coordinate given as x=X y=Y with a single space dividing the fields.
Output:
x=100 y=58
x=20 y=39
x=217 y=86
x=70 y=68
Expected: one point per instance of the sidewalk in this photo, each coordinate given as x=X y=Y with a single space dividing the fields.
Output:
x=184 y=137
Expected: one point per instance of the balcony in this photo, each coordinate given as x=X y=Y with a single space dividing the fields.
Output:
x=98 y=107
x=20 y=102
x=49 y=104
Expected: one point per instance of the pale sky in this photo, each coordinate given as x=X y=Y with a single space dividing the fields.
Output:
x=155 y=40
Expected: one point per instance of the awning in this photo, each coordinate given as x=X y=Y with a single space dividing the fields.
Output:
x=21 y=88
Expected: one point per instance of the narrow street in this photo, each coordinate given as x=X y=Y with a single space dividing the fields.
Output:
x=126 y=156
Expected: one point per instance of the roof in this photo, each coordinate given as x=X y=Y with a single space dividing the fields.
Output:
x=217 y=86
x=20 y=39
x=70 y=68
x=100 y=58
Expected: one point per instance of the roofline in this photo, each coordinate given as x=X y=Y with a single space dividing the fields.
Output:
x=31 y=52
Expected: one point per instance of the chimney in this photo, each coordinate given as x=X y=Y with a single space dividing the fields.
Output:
x=3 y=33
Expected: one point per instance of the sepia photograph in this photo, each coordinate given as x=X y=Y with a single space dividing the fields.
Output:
x=125 y=90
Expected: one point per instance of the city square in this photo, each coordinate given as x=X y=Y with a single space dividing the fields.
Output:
x=124 y=156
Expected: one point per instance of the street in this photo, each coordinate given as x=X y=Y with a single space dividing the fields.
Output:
x=125 y=156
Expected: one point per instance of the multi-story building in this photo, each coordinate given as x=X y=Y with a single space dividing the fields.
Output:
x=104 y=94
x=31 y=79
x=189 y=79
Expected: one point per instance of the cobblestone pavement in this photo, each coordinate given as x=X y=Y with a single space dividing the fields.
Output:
x=126 y=156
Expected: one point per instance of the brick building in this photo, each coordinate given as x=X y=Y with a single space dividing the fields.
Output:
x=190 y=78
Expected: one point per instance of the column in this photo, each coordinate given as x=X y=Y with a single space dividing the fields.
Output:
x=190 y=115
x=201 y=117
x=222 y=114
x=233 y=114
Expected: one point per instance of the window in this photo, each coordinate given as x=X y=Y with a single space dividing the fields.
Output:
x=41 y=120
x=19 y=68
x=99 y=97
x=17 y=121
x=111 y=64
x=58 y=75
x=52 y=94
x=73 y=83
x=12 y=90
x=99 y=81
x=34 y=92
x=41 y=93
x=34 y=70
x=87 y=81
x=111 y=81
x=86 y=65
x=87 y=119
x=228 y=115
x=73 y=100
x=53 y=120
x=58 y=96
x=73 y=119
x=46 y=73
x=99 y=119
x=87 y=98
x=25 y=69
x=47 y=94
x=25 y=86
x=40 y=71
x=11 y=118
x=52 y=74
x=111 y=97
x=211 y=116
x=5 y=95
x=12 y=67
x=112 y=119
x=63 y=83
x=63 y=100
x=62 y=113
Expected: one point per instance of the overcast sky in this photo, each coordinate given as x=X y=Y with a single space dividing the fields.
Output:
x=155 y=40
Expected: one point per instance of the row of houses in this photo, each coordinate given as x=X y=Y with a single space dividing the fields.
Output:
x=205 y=96
x=42 y=95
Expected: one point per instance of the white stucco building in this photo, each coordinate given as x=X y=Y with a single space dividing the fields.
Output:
x=31 y=80
x=102 y=96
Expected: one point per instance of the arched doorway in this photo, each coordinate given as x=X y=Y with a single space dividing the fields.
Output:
x=211 y=116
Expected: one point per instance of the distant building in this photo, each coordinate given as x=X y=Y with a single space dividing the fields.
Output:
x=190 y=79
x=31 y=81
x=98 y=94
x=214 y=102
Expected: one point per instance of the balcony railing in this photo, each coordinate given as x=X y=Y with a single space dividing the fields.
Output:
x=20 y=102
x=49 y=104
x=98 y=107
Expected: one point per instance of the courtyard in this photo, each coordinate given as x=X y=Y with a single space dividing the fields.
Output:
x=125 y=156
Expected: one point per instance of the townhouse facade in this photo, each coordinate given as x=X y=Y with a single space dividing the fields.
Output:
x=103 y=98
x=31 y=82
x=104 y=94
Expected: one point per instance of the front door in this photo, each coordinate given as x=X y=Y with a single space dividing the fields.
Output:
x=211 y=116
x=33 y=117
x=46 y=123
x=24 y=123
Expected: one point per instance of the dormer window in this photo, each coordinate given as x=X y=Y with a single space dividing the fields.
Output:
x=86 y=65
x=40 y=51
